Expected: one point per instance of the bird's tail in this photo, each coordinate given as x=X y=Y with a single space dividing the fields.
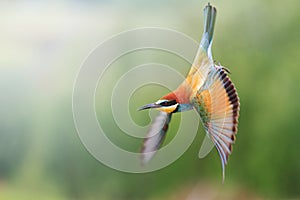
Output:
x=210 y=14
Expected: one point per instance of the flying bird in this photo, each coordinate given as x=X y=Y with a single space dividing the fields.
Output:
x=206 y=89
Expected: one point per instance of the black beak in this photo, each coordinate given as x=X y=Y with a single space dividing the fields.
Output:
x=148 y=106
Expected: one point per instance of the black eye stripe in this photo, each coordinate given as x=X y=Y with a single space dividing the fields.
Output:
x=168 y=103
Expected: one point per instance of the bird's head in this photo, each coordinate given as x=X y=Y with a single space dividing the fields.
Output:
x=168 y=104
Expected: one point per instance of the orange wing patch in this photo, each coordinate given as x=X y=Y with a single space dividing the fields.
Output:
x=218 y=107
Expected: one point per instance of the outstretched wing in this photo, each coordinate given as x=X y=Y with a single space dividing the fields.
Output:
x=218 y=105
x=155 y=136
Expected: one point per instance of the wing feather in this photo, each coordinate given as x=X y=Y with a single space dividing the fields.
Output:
x=155 y=136
x=218 y=105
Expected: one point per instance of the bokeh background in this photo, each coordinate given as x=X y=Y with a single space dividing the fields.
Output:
x=42 y=47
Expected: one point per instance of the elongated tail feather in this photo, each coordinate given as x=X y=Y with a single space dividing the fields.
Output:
x=210 y=14
x=203 y=60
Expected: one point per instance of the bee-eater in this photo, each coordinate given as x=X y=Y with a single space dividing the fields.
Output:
x=207 y=89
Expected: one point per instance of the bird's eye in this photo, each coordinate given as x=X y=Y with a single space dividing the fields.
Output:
x=168 y=103
x=164 y=103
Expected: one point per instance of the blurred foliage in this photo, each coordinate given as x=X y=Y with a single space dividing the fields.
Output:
x=43 y=45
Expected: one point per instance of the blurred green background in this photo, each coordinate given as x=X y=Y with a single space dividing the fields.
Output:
x=42 y=47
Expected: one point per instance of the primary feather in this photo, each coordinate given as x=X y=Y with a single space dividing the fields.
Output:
x=217 y=103
x=155 y=136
